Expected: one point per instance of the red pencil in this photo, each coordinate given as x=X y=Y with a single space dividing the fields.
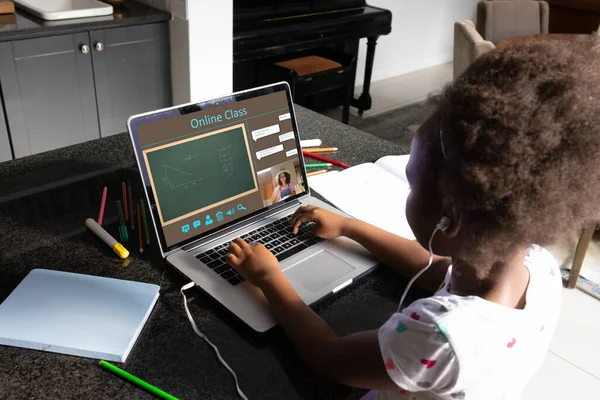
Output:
x=139 y=215
x=124 y=190
x=324 y=159
x=102 y=205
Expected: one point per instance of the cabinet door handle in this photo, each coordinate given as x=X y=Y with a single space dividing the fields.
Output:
x=99 y=46
x=85 y=49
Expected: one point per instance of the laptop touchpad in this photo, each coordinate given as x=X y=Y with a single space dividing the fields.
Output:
x=318 y=271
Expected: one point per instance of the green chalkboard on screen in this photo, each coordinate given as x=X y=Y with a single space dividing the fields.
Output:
x=193 y=174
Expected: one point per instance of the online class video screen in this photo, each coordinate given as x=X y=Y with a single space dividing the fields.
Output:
x=211 y=167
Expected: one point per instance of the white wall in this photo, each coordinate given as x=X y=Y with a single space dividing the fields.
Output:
x=201 y=36
x=422 y=36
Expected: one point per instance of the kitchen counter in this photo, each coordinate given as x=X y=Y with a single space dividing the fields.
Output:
x=23 y=25
x=44 y=200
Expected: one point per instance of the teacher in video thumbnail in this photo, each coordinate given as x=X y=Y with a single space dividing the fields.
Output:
x=284 y=187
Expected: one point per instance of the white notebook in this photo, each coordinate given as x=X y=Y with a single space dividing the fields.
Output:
x=372 y=192
x=80 y=315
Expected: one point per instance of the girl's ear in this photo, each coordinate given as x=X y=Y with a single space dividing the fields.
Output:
x=455 y=225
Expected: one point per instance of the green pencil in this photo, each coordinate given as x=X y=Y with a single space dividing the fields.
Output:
x=145 y=222
x=318 y=165
x=136 y=381
x=122 y=227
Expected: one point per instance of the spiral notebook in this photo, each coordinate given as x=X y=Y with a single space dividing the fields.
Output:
x=372 y=192
x=80 y=315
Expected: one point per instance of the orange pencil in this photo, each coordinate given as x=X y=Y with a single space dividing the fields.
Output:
x=139 y=215
x=124 y=190
x=321 y=150
x=316 y=173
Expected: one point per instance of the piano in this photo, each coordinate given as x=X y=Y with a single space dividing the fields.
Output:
x=267 y=29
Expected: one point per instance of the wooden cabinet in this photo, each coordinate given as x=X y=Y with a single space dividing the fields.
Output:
x=574 y=16
x=67 y=89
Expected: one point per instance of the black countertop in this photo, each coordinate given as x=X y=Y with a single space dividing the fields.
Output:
x=23 y=25
x=44 y=200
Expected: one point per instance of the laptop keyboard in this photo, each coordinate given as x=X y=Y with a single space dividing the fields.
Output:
x=276 y=236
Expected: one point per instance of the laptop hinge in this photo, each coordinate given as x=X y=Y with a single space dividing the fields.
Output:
x=240 y=226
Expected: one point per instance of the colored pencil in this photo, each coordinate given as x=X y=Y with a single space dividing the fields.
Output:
x=102 y=205
x=319 y=165
x=322 y=150
x=122 y=227
x=145 y=221
x=124 y=192
x=136 y=381
x=325 y=159
x=129 y=199
x=311 y=143
x=316 y=173
x=139 y=218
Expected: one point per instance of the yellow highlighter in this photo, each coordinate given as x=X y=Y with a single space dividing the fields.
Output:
x=106 y=238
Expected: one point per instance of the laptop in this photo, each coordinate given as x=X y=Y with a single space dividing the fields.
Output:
x=232 y=167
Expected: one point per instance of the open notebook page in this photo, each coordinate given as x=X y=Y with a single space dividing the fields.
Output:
x=369 y=193
x=396 y=165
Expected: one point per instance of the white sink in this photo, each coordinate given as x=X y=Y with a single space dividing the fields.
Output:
x=64 y=9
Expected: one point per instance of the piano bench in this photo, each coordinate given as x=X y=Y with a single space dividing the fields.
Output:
x=309 y=65
x=313 y=74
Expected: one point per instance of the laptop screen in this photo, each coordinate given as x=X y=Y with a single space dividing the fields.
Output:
x=205 y=166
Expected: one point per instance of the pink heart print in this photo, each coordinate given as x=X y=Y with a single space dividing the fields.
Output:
x=428 y=363
x=389 y=364
x=511 y=343
x=415 y=316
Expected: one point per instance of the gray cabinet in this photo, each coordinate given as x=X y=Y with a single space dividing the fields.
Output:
x=5 y=151
x=67 y=89
x=131 y=69
x=48 y=88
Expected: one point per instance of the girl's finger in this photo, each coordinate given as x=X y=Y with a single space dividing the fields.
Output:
x=246 y=249
x=235 y=249
x=233 y=261
x=299 y=212
x=306 y=217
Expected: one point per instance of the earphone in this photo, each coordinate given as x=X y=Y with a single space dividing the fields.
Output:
x=203 y=336
x=443 y=226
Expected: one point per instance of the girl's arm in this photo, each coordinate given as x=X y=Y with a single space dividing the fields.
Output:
x=274 y=196
x=404 y=256
x=353 y=360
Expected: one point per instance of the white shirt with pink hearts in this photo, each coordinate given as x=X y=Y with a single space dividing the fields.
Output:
x=451 y=347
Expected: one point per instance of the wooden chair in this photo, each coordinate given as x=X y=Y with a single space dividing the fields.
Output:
x=582 y=246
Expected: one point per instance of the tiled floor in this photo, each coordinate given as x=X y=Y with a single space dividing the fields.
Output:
x=571 y=369
x=407 y=89
x=399 y=91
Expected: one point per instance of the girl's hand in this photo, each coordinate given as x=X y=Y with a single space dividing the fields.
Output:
x=328 y=225
x=254 y=262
